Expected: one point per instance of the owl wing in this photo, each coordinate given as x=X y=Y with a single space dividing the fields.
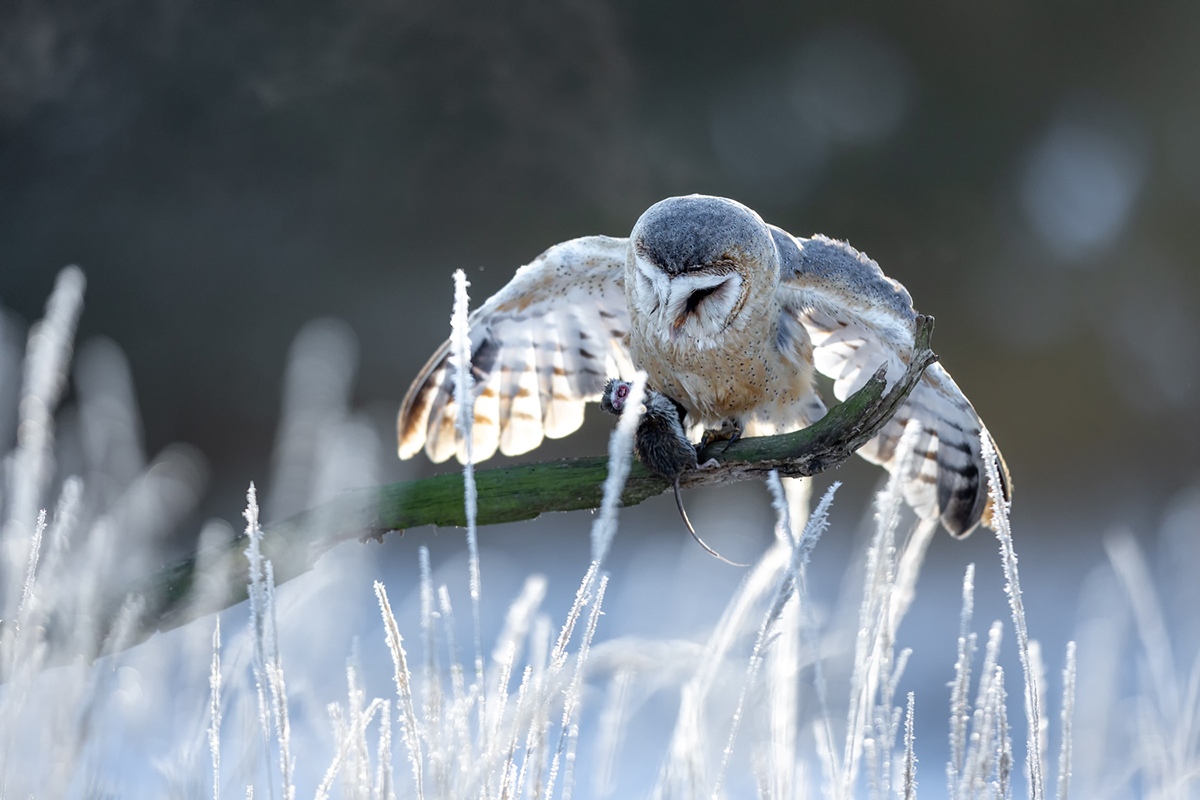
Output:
x=541 y=348
x=857 y=319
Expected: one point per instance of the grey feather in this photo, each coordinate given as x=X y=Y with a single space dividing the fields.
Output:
x=683 y=232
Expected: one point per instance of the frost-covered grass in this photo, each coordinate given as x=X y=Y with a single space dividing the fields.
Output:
x=783 y=696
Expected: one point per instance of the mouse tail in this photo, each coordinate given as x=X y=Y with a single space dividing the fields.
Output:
x=692 y=531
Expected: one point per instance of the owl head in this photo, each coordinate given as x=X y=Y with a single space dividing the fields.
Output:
x=694 y=264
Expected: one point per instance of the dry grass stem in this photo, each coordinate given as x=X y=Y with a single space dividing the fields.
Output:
x=909 y=787
x=1068 y=713
x=403 y=678
x=620 y=456
x=214 y=710
x=1008 y=558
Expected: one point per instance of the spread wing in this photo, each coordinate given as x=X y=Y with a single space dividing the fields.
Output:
x=857 y=319
x=541 y=348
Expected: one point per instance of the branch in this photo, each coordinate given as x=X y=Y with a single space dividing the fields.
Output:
x=215 y=578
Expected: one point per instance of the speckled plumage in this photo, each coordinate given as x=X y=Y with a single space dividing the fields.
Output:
x=729 y=317
x=734 y=369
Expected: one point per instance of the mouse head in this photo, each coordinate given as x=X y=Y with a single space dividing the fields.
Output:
x=616 y=393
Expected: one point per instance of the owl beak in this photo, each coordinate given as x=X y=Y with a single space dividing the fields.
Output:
x=677 y=327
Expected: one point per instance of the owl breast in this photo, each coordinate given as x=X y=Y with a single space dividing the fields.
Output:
x=739 y=374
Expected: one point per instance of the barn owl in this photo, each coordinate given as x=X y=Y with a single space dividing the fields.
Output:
x=729 y=317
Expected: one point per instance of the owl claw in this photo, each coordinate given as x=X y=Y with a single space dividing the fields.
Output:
x=729 y=432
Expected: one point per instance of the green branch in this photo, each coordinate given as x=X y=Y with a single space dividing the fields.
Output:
x=215 y=578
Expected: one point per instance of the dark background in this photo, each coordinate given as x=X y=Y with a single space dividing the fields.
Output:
x=226 y=171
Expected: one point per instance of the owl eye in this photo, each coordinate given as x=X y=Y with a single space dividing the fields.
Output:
x=697 y=297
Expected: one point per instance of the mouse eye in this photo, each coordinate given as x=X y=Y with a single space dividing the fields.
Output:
x=622 y=390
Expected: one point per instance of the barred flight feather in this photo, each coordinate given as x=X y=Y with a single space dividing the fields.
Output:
x=858 y=319
x=542 y=348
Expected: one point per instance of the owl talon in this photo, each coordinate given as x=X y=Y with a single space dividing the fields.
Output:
x=729 y=432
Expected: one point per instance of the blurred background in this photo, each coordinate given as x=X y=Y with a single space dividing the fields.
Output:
x=225 y=172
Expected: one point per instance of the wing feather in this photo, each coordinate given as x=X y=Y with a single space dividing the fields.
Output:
x=485 y=432
x=542 y=347
x=520 y=403
x=422 y=397
x=564 y=413
x=858 y=319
